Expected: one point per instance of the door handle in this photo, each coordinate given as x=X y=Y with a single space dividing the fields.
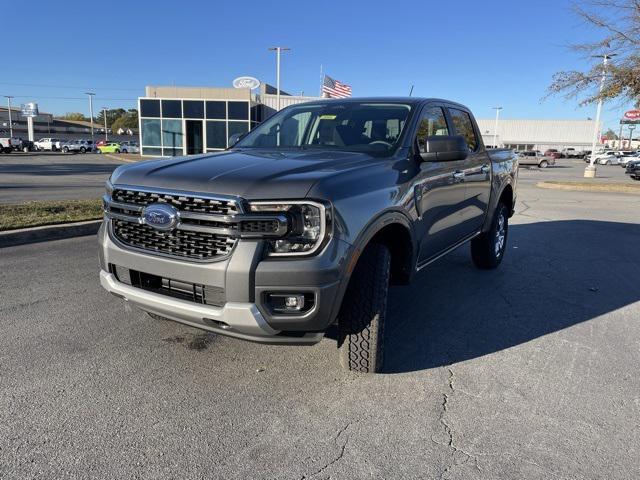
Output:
x=458 y=175
x=484 y=169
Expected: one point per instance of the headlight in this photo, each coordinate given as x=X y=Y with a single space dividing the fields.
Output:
x=309 y=222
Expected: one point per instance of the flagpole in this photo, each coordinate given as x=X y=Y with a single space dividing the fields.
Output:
x=321 y=80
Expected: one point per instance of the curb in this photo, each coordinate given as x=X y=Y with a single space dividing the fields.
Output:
x=48 y=232
x=592 y=187
x=120 y=159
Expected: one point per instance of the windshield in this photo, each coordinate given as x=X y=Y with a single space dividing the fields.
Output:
x=352 y=126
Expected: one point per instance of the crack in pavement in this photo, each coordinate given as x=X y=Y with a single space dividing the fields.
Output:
x=449 y=432
x=343 y=448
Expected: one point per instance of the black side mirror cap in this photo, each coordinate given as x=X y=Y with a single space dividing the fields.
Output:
x=444 y=148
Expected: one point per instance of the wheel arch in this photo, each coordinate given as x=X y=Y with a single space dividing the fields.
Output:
x=394 y=230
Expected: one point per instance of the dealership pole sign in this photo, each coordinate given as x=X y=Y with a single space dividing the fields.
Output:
x=29 y=109
x=631 y=117
x=246 y=82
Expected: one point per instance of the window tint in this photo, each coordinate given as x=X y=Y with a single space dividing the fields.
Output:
x=216 y=110
x=216 y=134
x=151 y=132
x=171 y=108
x=433 y=123
x=172 y=133
x=149 y=108
x=238 y=111
x=464 y=127
x=193 y=109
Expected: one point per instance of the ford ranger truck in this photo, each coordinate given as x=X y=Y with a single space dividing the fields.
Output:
x=306 y=220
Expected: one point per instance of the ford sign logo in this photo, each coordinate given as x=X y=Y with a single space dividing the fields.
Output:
x=246 y=82
x=161 y=216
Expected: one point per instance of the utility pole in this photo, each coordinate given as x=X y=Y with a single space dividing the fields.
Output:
x=495 y=128
x=106 y=135
x=9 y=97
x=278 y=51
x=590 y=170
x=91 y=94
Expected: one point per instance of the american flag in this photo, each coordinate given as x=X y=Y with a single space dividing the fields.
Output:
x=334 y=89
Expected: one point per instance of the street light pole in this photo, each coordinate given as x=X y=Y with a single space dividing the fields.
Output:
x=631 y=127
x=278 y=51
x=590 y=170
x=9 y=97
x=106 y=134
x=495 y=129
x=91 y=94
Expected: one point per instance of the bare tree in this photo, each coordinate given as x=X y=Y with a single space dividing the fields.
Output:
x=619 y=24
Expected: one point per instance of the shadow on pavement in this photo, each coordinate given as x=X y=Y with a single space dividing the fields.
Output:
x=554 y=275
x=58 y=169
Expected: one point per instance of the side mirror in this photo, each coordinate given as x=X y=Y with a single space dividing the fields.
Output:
x=235 y=138
x=444 y=148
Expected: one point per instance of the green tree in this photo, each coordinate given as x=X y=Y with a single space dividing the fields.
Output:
x=618 y=22
x=74 y=116
x=610 y=134
x=112 y=115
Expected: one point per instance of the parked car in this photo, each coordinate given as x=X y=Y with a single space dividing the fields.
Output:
x=628 y=157
x=275 y=256
x=6 y=145
x=603 y=154
x=78 y=146
x=571 y=152
x=552 y=153
x=53 y=144
x=23 y=145
x=633 y=169
x=608 y=159
x=535 y=158
x=129 y=147
x=110 y=147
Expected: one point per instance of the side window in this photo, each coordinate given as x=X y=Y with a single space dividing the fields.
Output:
x=432 y=123
x=464 y=127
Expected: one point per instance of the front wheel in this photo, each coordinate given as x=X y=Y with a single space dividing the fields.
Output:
x=65 y=150
x=117 y=150
x=83 y=150
x=362 y=314
x=487 y=249
x=25 y=149
x=543 y=164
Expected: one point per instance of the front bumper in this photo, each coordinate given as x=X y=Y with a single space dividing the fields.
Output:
x=246 y=277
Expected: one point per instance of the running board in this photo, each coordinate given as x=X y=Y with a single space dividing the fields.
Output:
x=447 y=251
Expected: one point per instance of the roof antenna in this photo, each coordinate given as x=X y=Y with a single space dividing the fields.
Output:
x=411 y=91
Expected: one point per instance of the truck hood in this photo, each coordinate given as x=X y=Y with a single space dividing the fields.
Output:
x=251 y=174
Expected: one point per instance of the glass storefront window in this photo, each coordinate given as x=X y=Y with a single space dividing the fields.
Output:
x=238 y=127
x=149 y=108
x=238 y=110
x=172 y=133
x=150 y=132
x=217 y=110
x=216 y=134
x=156 y=152
x=171 y=108
x=193 y=108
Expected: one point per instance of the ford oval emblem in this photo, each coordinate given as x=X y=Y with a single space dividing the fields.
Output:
x=161 y=216
x=246 y=82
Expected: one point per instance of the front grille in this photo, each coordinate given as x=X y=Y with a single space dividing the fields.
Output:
x=179 y=243
x=259 y=226
x=185 y=203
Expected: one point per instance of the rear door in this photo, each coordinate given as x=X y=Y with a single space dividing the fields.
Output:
x=439 y=190
x=477 y=171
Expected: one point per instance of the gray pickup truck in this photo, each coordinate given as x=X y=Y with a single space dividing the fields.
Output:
x=305 y=221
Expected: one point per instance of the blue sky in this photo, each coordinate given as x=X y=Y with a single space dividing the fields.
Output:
x=479 y=53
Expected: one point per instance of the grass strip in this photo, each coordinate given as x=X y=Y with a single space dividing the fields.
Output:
x=49 y=212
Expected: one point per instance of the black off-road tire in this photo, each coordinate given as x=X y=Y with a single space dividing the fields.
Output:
x=363 y=311
x=484 y=250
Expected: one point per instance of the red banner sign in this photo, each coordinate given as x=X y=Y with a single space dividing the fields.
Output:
x=632 y=114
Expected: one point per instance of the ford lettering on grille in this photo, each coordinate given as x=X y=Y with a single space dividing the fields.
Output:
x=161 y=216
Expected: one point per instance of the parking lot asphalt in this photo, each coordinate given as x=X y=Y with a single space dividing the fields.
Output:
x=530 y=371
x=53 y=176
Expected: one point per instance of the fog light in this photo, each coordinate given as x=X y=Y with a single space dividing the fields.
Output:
x=289 y=303
x=294 y=302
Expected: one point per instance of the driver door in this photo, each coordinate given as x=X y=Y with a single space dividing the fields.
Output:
x=439 y=190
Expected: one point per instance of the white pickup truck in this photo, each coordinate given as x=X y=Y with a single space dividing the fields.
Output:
x=52 y=144
x=6 y=145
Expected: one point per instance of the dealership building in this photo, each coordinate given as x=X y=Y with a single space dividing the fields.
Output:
x=538 y=134
x=193 y=120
